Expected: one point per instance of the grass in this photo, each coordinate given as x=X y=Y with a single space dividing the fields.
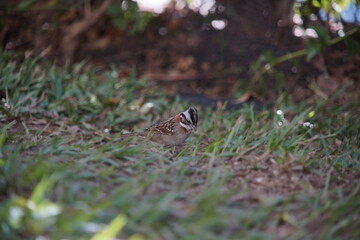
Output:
x=245 y=174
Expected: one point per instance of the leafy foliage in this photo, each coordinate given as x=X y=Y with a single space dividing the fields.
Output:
x=127 y=16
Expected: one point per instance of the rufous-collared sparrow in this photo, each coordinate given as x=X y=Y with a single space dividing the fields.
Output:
x=173 y=131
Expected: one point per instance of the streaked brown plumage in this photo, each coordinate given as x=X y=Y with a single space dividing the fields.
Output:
x=173 y=131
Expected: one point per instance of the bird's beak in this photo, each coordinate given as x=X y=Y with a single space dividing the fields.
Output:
x=194 y=127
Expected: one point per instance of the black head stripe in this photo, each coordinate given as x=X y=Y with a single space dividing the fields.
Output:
x=193 y=115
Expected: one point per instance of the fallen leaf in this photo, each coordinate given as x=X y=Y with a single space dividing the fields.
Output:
x=73 y=129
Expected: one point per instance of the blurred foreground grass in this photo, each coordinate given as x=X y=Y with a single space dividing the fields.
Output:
x=289 y=172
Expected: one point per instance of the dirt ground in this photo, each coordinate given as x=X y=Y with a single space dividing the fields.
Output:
x=259 y=173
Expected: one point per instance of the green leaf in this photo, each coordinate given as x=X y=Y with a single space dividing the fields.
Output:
x=25 y=5
x=3 y=133
x=316 y=3
x=313 y=47
x=112 y=229
x=352 y=46
x=41 y=189
x=323 y=35
x=2 y=137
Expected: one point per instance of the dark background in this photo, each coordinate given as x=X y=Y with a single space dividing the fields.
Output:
x=181 y=50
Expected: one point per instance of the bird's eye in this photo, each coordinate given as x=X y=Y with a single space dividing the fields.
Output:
x=186 y=121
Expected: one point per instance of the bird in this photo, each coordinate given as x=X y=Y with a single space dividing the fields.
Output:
x=171 y=132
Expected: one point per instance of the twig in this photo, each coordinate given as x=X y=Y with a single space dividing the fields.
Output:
x=75 y=30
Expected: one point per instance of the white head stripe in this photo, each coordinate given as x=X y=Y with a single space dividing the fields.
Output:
x=187 y=127
x=187 y=115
